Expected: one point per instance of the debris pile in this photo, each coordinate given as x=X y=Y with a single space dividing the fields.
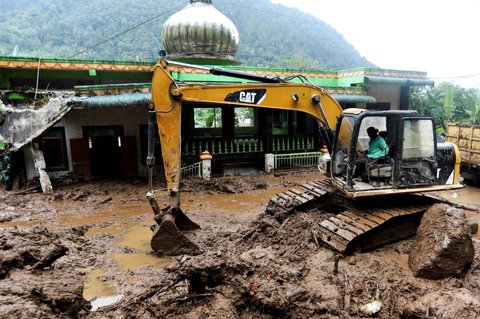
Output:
x=30 y=283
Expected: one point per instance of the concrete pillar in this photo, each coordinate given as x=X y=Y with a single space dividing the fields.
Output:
x=269 y=163
x=40 y=165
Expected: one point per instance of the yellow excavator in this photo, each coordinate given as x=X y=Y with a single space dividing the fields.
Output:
x=386 y=206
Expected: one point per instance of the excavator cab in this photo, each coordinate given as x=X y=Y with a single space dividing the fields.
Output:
x=413 y=162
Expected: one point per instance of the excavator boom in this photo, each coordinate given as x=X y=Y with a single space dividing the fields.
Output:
x=168 y=97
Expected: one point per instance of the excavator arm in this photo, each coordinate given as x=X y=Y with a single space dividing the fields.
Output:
x=168 y=97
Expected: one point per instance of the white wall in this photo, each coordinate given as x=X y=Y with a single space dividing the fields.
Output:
x=30 y=170
x=128 y=117
x=387 y=94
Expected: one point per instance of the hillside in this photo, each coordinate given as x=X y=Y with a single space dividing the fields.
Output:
x=270 y=35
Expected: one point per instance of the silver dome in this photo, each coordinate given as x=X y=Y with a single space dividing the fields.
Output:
x=200 y=30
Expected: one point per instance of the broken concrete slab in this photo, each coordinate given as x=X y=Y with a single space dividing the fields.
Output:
x=21 y=125
x=443 y=246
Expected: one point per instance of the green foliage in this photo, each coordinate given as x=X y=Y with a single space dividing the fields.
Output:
x=270 y=35
x=300 y=62
x=244 y=117
x=207 y=117
x=447 y=103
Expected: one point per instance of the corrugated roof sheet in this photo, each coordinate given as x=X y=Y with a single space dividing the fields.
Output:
x=119 y=100
x=380 y=80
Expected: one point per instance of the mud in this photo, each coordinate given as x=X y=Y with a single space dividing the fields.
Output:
x=37 y=279
x=253 y=264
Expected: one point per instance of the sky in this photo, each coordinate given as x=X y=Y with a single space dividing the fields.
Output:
x=438 y=37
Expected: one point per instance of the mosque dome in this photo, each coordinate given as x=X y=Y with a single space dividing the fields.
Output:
x=200 y=31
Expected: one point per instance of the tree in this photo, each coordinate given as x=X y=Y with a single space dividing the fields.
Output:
x=447 y=102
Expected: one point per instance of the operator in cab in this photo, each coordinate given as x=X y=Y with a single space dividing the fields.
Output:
x=377 y=148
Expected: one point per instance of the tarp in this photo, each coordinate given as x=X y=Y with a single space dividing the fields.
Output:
x=21 y=125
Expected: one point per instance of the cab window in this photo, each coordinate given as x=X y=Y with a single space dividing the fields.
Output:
x=418 y=138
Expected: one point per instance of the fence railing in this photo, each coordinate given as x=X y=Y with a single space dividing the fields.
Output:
x=191 y=171
x=280 y=162
x=223 y=146
x=296 y=143
x=219 y=145
x=296 y=160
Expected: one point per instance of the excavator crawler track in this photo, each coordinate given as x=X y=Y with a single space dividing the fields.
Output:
x=358 y=225
x=366 y=229
x=303 y=195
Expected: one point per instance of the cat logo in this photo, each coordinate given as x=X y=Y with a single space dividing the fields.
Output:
x=247 y=96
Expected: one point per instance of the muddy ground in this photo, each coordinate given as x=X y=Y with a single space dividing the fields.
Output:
x=90 y=242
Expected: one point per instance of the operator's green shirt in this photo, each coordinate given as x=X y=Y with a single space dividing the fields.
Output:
x=377 y=148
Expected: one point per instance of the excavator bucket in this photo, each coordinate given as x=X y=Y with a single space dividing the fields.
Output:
x=169 y=235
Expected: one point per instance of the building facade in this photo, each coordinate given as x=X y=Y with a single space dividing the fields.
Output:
x=108 y=138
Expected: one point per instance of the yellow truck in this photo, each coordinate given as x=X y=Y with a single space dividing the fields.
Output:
x=467 y=138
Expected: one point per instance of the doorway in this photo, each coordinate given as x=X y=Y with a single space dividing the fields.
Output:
x=105 y=144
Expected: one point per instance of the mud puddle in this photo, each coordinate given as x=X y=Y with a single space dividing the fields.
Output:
x=470 y=197
x=124 y=227
x=94 y=287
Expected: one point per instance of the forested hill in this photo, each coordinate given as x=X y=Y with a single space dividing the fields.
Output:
x=270 y=35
